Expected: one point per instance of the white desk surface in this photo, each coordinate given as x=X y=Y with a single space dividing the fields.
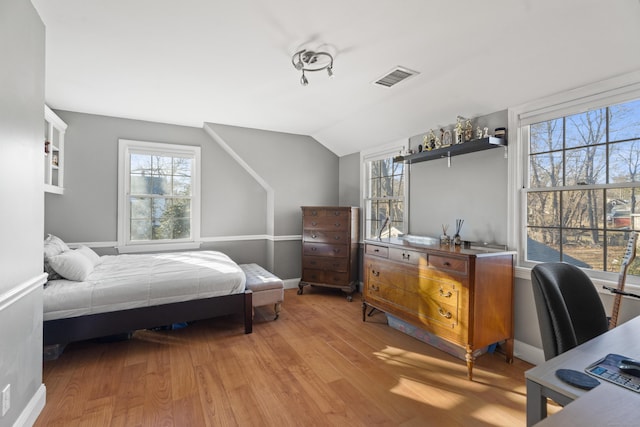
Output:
x=606 y=404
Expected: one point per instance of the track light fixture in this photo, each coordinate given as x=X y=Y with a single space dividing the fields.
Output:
x=308 y=60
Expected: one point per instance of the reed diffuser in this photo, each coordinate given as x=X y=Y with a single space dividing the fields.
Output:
x=456 y=237
x=444 y=239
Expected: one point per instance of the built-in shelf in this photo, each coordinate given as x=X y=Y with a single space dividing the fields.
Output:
x=453 y=150
x=54 y=130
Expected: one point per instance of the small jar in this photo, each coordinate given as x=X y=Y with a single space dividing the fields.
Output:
x=500 y=133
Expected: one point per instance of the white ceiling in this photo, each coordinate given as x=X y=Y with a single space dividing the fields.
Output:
x=193 y=61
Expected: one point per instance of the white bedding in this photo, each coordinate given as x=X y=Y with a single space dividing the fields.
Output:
x=122 y=282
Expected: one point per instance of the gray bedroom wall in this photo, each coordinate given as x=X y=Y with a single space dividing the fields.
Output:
x=300 y=171
x=22 y=47
x=298 y=168
x=349 y=180
x=473 y=188
x=232 y=201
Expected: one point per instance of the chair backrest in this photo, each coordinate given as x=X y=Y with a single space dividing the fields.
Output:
x=569 y=308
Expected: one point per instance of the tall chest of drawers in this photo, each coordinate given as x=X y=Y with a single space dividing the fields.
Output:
x=330 y=247
x=463 y=296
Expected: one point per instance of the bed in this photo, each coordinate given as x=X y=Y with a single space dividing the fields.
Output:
x=88 y=296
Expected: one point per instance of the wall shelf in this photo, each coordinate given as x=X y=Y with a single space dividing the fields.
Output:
x=453 y=150
x=54 y=130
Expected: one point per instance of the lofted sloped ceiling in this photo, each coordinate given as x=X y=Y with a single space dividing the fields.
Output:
x=194 y=61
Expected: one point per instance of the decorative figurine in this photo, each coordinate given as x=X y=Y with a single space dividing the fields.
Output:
x=478 y=132
x=468 y=131
x=432 y=140
x=458 y=130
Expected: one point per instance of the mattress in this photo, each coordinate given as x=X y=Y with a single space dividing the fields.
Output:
x=128 y=281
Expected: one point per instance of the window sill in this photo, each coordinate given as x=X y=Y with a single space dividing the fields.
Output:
x=525 y=273
x=158 y=247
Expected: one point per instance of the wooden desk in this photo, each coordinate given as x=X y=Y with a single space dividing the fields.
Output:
x=607 y=404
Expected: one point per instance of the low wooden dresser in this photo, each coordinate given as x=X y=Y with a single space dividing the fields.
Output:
x=464 y=296
x=330 y=248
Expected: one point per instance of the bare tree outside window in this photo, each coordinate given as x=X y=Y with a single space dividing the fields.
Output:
x=583 y=178
x=160 y=201
x=384 y=198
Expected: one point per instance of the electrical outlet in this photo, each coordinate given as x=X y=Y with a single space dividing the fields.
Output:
x=6 y=399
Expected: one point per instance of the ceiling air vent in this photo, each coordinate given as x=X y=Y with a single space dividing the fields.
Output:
x=395 y=76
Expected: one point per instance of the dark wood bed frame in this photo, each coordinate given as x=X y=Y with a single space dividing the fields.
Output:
x=60 y=332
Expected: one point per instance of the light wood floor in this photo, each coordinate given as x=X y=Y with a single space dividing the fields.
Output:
x=317 y=365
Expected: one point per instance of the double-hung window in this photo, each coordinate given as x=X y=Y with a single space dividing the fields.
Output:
x=580 y=187
x=159 y=196
x=384 y=196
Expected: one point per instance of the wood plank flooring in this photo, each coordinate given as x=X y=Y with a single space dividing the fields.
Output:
x=317 y=365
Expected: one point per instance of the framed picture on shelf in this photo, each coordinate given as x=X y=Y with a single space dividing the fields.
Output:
x=446 y=138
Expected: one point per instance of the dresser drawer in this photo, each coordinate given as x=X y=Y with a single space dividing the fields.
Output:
x=320 y=212
x=325 y=223
x=448 y=263
x=321 y=236
x=323 y=249
x=376 y=250
x=324 y=276
x=408 y=256
x=325 y=263
x=437 y=313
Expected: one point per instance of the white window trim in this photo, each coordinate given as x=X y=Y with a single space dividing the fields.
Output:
x=615 y=90
x=125 y=146
x=379 y=153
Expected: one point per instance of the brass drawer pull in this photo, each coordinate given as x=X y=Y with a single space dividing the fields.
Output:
x=374 y=288
x=376 y=250
x=406 y=256
x=445 y=295
x=446 y=314
x=446 y=263
x=375 y=273
x=337 y=237
x=337 y=224
x=314 y=236
x=314 y=223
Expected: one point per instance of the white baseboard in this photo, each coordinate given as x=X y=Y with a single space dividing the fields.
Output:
x=33 y=409
x=528 y=353
x=291 y=283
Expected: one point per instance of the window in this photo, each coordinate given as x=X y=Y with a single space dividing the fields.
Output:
x=580 y=180
x=384 y=197
x=159 y=199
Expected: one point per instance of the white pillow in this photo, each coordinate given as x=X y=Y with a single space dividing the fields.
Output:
x=90 y=254
x=53 y=246
x=72 y=265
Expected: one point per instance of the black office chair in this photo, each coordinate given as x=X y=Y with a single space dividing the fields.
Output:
x=570 y=311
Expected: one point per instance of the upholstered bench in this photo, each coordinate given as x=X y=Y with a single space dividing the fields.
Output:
x=267 y=288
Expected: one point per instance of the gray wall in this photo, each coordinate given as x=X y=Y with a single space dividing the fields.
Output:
x=22 y=47
x=349 y=180
x=474 y=189
x=87 y=211
x=298 y=169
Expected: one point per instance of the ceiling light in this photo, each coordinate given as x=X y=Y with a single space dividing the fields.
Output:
x=308 y=60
